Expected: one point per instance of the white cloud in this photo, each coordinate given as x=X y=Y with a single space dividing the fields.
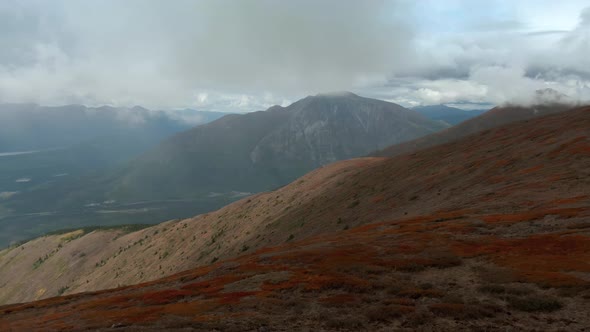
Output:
x=245 y=56
x=158 y=53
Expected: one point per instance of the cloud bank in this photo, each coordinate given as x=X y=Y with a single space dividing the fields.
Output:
x=244 y=56
x=159 y=53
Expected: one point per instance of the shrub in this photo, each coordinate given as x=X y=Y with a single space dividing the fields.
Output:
x=418 y=318
x=354 y=204
x=426 y=285
x=448 y=309
x=345 y=322
x=40 y=261
x=442 y=259
x=463 y=311
x=412 y=267
x=62 y=290
x=415 y=293
x=503 y=290
x=534 y=303
x=387 y=313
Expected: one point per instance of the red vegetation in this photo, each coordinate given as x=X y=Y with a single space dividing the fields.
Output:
x=164 y=296
x=543 y=259
x=499 y=208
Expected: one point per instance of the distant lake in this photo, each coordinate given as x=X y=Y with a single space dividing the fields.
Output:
x=16 y=153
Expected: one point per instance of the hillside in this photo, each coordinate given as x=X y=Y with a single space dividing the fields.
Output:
x=498 y=240
x=489 y=231
x=447 y=114
x=35 y=127
x=84 y=261
x=264 y=150
x=495 y=117
x=67 y=146
x=211 y=165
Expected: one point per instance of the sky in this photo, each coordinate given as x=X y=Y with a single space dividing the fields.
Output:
x=241 y=56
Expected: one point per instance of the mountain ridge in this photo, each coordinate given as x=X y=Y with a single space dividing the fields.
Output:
x=488 y=231
x=493 y=179
x=244 y=153
x=497 y=116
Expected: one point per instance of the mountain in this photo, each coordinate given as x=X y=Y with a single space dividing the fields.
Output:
x=206 y=167
x=38 y=143
x=495 y=117
x=33 y=127
x=450 y=115
x=195 y=117
x=44 y=150
x=264 y=150
x=487 y=232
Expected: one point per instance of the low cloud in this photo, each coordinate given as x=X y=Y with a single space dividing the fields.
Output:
x=161 y=53
x=243 y=56
x=501 y=67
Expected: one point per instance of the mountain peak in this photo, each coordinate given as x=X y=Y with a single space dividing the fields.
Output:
x=337 y=94
x=548 y=95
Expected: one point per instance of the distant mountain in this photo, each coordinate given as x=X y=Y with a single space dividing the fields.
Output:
x=194 y=117
x=213 y=164
x=34 y=127
x=450 y=115
x=495 y=117
x=551 y=96
x=263 y=150
x=46 y=151
x=38 y=142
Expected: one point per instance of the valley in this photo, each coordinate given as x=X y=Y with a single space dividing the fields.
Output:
x=49 y=173
x=179 y=176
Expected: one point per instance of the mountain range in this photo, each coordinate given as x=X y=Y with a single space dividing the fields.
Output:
x=28 y=127
x=482 y=232
x=38 y=142
x=263 y=150
x=210 y=165
x=447 y=114
x=495 y=117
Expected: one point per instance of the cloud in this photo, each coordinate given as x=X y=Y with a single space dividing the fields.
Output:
x=245 y=56
x=498 y=66
x=158 y=53
x=305 y=46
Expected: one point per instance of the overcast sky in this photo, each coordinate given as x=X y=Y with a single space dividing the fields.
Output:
x=247 y=55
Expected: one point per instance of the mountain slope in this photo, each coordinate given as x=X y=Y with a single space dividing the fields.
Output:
x=488 y=232
x=158 y=250
x=505 y=183
x=71 y=144
x=264 y=150
x=450 y=115
x=211 y=165
x=495 y=117
x=34 y=127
